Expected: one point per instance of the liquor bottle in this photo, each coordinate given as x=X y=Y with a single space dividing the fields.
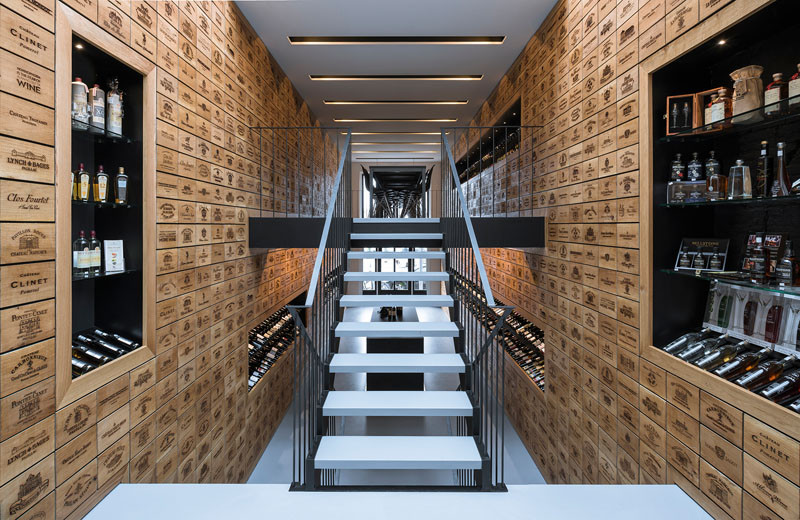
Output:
x=97 y=110
x=114 y=108
x=742 y=364
x=685 y=260
x=121 y=187
x=759 y=260
x=716 y=182
x=772 y=328
x=100 y=185
x=787 y=267
x=95 y=255
x=677 y=169
x=89 y=354
x=80 y=108
x=765 y=373
x=707 y=114
x=694 y=170
x=74 y=184
x=763 y=173
x=715 y=262
x=721 y=355
x=84 y=183
x=80 y=255
x=781 y=185
x=686 y=112
x=794 y=87
x=702 y=348
x=776 y=92
x=80 y=367
x=699 y=260
x=795 y=406
x=739 y=182
x=784 y=390
x=722 y=108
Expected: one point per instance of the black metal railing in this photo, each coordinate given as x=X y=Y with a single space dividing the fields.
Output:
x=314 y=344
x=474 y=304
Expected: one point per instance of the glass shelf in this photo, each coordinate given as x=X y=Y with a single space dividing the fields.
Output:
x=81 y=278
x=91 y=203
x=734 y=125
x=788 y=199
x=731 y=278
x=103 y=137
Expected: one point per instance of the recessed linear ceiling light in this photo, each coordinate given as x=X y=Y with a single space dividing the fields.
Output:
x=396 y=40
x=401 y=143
x=443 y=120
x=357 y=152
x=395 y=102
x=394 y=133
x=396 y=77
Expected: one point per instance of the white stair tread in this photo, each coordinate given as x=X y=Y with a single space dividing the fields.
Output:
x=395 y=452
x=396 y=363
x=361 y=255
x=396 y=300
x=423 y=276
x=395 y=220
x=396 y=329
x=395 y=236
x=397 y=404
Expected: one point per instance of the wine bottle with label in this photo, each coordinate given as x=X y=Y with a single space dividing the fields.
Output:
x=80 y=255
x=84 y=184
x=765 y=373
x=121 y=187
x=95 y=254
x=97 y=110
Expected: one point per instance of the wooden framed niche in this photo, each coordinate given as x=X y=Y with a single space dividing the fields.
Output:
x=89 y=302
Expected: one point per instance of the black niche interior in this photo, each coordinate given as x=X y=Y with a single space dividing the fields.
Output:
x=678 y=302
x=493 y=145
x=110 y=302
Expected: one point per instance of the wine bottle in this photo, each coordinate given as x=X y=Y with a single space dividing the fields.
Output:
x=95 y=255
x=741 y=364
x=784 y=390
x=721 y=355
x=80 y=255
x=101 y=345
x=80 y=367
x=781 y=185
x=89 y=354
x=763 y=172
x=765 y=373
x=684 y=340
x=702 y=348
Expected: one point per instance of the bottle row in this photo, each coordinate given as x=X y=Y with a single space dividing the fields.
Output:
x=757 y=370
x=267 y=342
x=94 y=348
x=698 y=182
x=98 y=187
x=88 y=256
x=95 y=111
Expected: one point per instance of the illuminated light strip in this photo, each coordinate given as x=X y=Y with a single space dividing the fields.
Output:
x=400 y=143
x=395 y=102
x=443 y=120
x=396 y=77
x=396 y=40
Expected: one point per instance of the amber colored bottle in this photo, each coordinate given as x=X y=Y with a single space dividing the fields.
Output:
x=721 y=355
x=775 y=95
x=100 y=185
x=741 y=364
x=765 y=373
x=784 y=390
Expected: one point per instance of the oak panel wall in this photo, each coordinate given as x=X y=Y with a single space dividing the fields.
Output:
x=185 y=415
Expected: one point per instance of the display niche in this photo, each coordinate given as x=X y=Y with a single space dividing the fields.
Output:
x=107 y=209
x=722 y=259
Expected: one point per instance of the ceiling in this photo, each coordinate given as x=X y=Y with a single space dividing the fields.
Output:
x=276 y=20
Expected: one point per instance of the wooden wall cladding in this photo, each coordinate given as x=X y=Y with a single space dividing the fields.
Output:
x=185 y=415
x=609 y=415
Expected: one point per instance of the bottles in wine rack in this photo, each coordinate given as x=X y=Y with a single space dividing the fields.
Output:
x=96 y=347
x=267 y=342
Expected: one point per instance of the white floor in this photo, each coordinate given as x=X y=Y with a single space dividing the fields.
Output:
x=275 y=466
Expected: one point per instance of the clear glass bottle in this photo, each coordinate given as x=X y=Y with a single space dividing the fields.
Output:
x=775 y=95
x=759 y=260
x=677 y=169
x=80 y=255
x=721 y=355
x=742 y=364
x=715 y=262
x=84 y=184
x=682 y=342
x=694 y=170
x=739 y=182
x=765 y=373
x=114 y=108
x=716 y=181
x=781 y=186
x=702 y=348
x=97 y=110
x=784 y=390
x=95 y=254
x=763 y=172
x=786 y=269
x=121 y=187
x=80 y=105
x=100 y=185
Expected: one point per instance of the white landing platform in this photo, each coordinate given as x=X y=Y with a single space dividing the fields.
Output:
x=251 y=501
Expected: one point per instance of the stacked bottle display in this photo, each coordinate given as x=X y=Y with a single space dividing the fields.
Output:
x=762 y=371
x=267 y=342
x=523 y=341
x=100 y=188
x=96 y=347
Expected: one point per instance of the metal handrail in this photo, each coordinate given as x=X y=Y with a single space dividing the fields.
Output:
x=487 y=290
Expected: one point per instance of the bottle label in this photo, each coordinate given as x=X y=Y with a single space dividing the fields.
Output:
x=84 y=188
x=717 y=112
x=102 y=188
x=794 y=91
x=114 y=114
x=76 y=259
x=84 y=259
x=94 y=257
x=770 y=98
x=709 y=115
x=98 y=112
x=695 y=171
x=122 y=190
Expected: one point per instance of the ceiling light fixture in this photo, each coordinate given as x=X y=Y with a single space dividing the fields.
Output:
x=396 y=102
x=396 y=40
x=395 y=151
x=79 y=46
x=721 y=42
x=384 y=120
x=401 y=143
x=395 y=77
x=394 y=133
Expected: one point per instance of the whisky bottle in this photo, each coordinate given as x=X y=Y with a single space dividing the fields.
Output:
x=80 y=367
x=694 y=170
x=784 y=390
x=707 y=114
x=97 y=110
x=80 y=109
x=715 y=262
x=121 y=187
x=114 y=108
x=95 y=255
x=100 y=185
x=80 y=255
x=776 y=93
x=699 y=260
x=741 y=364
x=716 y=182
x=722 y=108
x=781 y=185
x=763 y=172
x=786 y=270
x=721 y=355
x=685 y=259
x=84 y=183
x=765 y=373
x=702 y=348
x=794 y=87
x=740 y=184
x=677 y=169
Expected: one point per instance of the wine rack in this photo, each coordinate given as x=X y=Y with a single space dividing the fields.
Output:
x=267 y=342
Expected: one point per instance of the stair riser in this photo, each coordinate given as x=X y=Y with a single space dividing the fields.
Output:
x=391 y=227
x=377 y=412
x=403 y=464
x=359 y=243
x=394 y=335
